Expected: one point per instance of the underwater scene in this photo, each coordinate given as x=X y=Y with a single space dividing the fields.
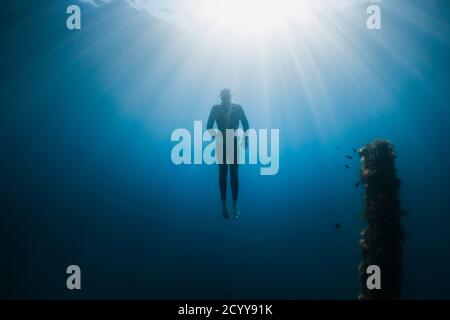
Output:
x=212 y=149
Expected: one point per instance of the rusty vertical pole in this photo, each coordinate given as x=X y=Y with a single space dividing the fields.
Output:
x=382 y=239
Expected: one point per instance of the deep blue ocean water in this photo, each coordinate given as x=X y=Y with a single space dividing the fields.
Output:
x=86 y=176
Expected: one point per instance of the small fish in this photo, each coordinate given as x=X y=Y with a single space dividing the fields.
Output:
x=337 y=147
x=357 y=184
x=337 y=225
x=347 y=166
x=349 y=157
x=354 y=150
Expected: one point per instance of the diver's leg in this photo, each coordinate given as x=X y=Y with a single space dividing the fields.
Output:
x=223 y=171
x=234 y=181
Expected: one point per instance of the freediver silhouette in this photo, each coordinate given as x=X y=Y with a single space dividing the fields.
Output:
x=227 y=116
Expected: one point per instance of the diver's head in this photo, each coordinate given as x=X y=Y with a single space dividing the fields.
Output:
x=225 y=95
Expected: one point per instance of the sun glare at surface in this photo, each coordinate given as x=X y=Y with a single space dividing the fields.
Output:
x=251 y=17
x=291 y=59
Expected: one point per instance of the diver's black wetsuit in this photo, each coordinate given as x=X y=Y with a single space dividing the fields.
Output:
x=227 y=116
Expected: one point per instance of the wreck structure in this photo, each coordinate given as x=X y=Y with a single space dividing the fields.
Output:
x=382 y=239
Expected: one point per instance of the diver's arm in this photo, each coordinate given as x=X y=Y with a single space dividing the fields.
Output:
x=245 y=125
x=211 y=118
x=244 y=120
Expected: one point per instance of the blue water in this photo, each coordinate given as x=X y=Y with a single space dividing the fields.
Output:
x=86 y=176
